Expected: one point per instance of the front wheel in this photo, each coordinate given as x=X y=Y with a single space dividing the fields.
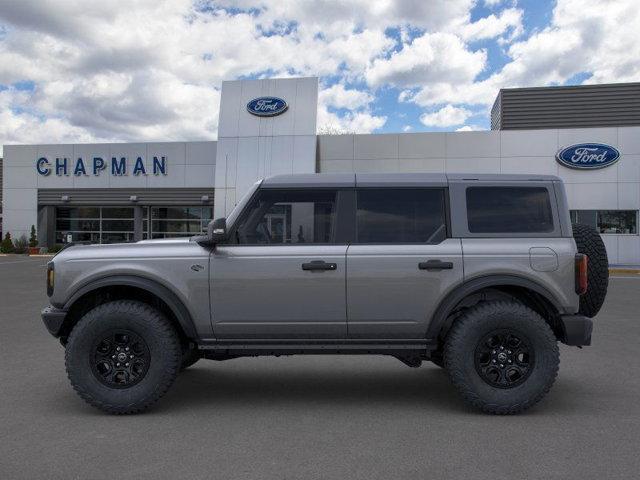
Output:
x=502 y=357
x=122 y=356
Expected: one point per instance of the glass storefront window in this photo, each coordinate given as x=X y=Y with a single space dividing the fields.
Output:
x=622 y=222
x=167 y=222
x=116 y=224
x=94 y=224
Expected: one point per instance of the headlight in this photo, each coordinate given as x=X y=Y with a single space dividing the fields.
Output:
x=50 y=278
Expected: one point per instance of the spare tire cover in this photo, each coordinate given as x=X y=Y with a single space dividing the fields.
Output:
x=590 y=243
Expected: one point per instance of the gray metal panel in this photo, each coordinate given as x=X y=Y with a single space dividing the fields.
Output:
x=567 y=107
x=318 y=180
x=389 y=296
x=401 y=180
x=121 y=196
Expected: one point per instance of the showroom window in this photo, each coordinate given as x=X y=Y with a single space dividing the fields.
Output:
x=167 y=222
x=94 y=224
x=622 y=222
x=401 y=216
x=509 y=210
x=288 y=216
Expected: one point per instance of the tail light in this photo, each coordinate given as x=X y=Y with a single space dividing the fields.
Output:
x=50 y=278
x=581 y=273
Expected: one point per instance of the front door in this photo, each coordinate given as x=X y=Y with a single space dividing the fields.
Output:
x=401 y=263
x=282 y=274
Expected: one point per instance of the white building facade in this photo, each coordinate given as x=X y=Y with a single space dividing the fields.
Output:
x=126 y=192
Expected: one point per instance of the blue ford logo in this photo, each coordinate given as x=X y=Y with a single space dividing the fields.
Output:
x=267 y=106
x=588 y=156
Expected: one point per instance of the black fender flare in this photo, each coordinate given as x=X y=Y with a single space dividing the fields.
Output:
x=174 y=303
x=446 y=306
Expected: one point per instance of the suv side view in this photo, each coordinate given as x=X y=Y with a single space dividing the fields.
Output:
x=480 y=274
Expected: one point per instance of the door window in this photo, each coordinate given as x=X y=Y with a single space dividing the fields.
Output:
x=288 y=217
x=402 y=215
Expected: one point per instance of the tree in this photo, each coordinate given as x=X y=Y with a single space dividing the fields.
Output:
x=33 y=238
x=7 y=244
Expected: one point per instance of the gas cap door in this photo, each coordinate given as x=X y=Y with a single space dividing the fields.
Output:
x=543 y=259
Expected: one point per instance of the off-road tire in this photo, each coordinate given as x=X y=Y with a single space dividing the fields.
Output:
x=590 y=243
x=460 y=356
x=164 y=355
x=189 y=357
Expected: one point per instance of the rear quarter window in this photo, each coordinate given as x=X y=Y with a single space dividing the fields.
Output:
x=509 y=210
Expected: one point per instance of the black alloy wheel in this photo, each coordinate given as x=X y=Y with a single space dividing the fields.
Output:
x=504 y=358
x=120 y=359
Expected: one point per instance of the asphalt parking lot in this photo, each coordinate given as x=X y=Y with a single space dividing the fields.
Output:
x=315 y=417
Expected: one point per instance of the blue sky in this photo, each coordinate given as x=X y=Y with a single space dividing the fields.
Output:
x=144 y=70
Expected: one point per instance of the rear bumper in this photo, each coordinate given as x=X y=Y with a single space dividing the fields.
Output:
x=53 y=319
x=576 y=330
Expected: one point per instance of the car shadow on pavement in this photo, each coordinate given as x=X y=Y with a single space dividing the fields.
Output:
x=202 y=386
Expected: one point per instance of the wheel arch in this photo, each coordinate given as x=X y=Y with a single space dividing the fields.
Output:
x=523 y=289
x=132 y=287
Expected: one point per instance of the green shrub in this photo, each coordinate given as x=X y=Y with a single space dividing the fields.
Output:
x=56 y=248
x=7 y=244
x=21 y=244
x=33 y=238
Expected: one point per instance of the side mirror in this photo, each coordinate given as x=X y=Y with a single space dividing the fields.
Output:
x=217 y=230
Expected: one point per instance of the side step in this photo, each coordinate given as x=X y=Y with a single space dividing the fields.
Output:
x=252 y=347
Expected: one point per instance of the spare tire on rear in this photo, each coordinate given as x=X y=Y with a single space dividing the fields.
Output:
x=590 y=243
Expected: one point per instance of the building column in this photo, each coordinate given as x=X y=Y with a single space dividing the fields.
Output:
x=138 y=215
x=46 y=229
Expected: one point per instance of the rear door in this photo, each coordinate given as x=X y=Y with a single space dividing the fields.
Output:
x=401 y=263
x=283 y=274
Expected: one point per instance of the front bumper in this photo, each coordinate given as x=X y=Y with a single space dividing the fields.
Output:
x=576 y=330
x=53 y=319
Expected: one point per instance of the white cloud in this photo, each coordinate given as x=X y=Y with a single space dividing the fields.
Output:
x=509 y=20
x=447 y=116
x=338 y=96
x=469 y=128
x=432 y=57
x=407 y=128
x=151 y=69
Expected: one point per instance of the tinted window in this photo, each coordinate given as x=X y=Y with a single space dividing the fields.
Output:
x=401 y=216
x=289 y=216
x=608 y=221
x=509 y=210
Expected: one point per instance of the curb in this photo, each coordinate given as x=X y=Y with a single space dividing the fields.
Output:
x=624 y=271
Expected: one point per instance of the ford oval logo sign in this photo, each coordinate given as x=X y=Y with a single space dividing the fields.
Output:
x=588 y=156
x=267 y=106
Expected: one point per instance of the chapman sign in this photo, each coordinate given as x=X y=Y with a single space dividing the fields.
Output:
x=588 y=156
x=267 y=106
x=96 y=165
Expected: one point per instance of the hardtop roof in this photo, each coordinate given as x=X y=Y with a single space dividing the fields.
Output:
x=325 y=180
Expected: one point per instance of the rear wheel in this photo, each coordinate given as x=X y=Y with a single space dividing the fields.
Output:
x=122 y=356
x=502 y=357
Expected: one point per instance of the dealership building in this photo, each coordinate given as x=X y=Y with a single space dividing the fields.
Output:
x=587 y=135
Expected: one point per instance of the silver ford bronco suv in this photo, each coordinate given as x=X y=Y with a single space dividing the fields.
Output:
x=482 y=275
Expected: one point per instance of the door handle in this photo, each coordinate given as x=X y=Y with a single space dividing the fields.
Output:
x=435 y=265
x=319 y=265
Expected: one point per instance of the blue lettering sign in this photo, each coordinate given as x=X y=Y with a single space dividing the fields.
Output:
x=61 y=166
x=139 y=167
x=267 y=106
x=98 y=165
x=42 y=165
x=588 y=156
x=159 y=166
x=79 y=170
x=118 y=167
